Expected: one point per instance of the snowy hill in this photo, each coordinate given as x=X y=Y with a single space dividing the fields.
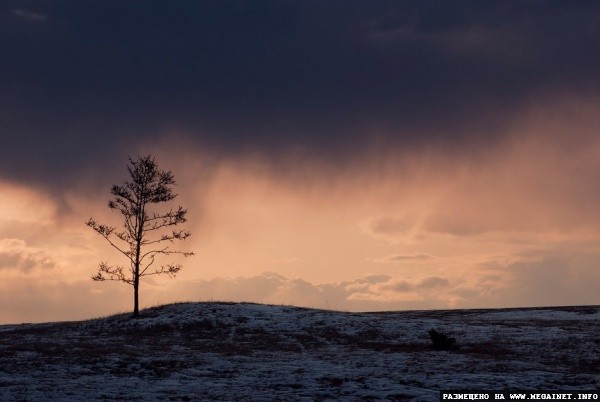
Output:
x=225 y=351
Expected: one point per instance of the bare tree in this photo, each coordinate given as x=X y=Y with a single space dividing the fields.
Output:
x=145 y=234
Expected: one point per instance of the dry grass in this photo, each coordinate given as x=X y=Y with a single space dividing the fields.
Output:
x=392 y=345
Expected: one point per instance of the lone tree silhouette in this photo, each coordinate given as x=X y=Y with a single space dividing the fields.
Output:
x=145 y=234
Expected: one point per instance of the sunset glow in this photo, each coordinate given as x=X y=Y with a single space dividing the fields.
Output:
x=400 y=186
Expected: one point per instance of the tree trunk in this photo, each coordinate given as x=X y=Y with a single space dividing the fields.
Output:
x=138 y=246
x=136 y=304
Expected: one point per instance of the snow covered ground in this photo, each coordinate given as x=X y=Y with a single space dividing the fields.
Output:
x=226 y=351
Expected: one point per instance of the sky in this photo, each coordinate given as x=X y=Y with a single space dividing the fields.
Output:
x=350 y=155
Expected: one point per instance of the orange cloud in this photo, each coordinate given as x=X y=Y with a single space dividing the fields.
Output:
x=15 y=254
x=22 y=204
x=427 y=229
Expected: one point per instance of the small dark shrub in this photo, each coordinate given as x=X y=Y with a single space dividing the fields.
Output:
x=332 y=381
x=441 y=341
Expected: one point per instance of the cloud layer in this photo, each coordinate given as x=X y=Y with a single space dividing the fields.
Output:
x=94 y=82
x=366 y=155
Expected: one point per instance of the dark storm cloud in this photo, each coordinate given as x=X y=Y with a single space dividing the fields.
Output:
x=85 y=81
x=28 y=15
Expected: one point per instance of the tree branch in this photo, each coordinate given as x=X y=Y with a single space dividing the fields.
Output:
x=107 y=273
x=165 y=251
x=169 y=269
x=106 y=231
